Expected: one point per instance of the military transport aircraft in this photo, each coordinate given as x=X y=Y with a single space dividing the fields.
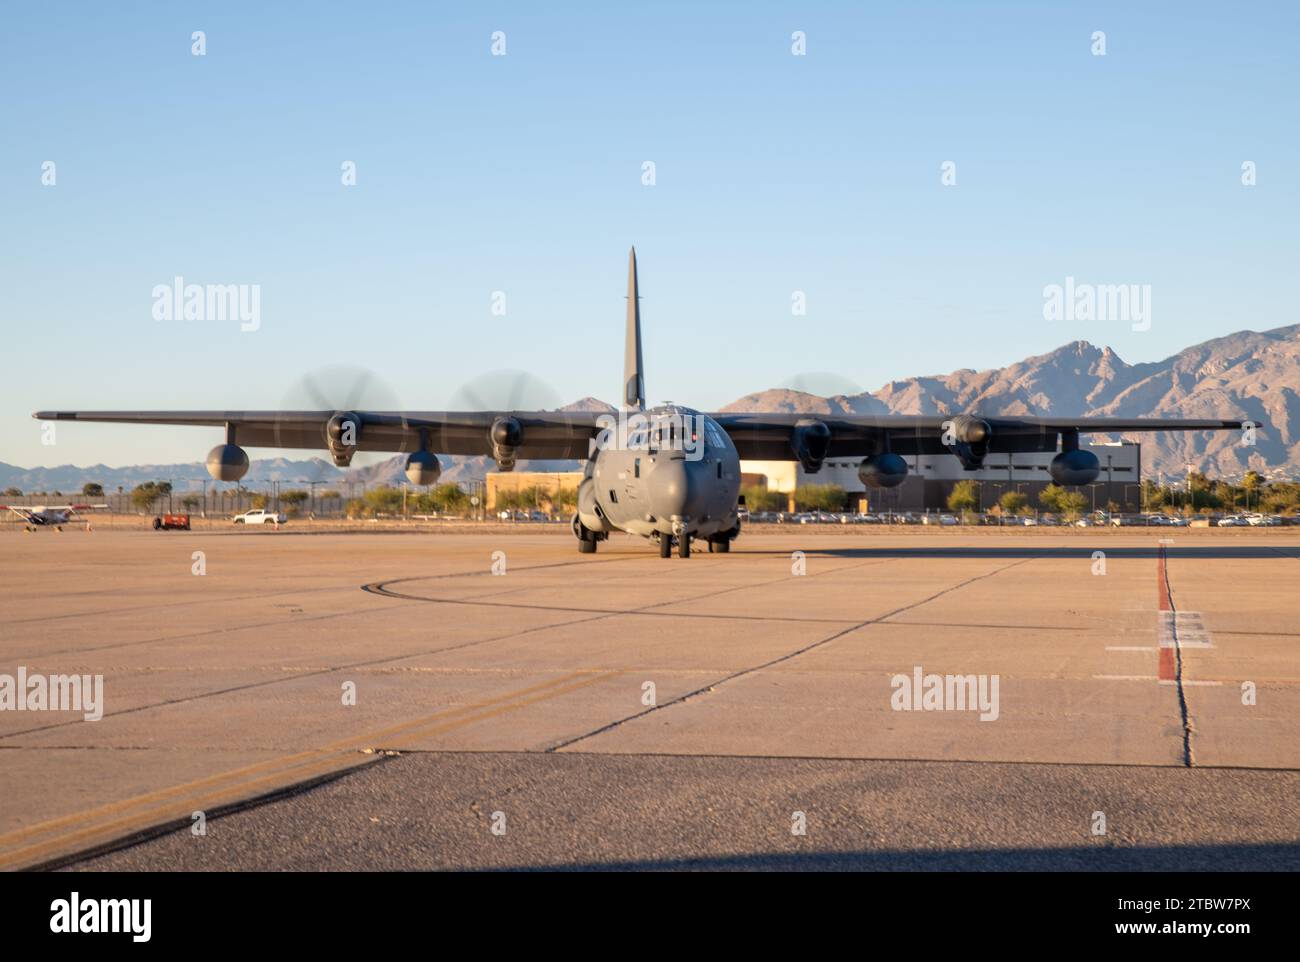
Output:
x=668 y=473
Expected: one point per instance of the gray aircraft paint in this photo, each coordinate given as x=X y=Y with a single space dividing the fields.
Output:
x=654 y=488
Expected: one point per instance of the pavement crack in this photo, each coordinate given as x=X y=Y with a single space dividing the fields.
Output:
x=1183 y=711
x=704 y=689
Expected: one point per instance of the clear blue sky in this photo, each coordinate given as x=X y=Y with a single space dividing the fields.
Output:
x=522 y=173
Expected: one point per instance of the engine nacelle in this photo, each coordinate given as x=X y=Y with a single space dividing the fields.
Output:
x=1075 y=467
x=422 y=467
x=970 y=440
x=227 y=462
x=970 y=430
x=885 y=470
x=342 y=435
x=810 y=440
x=506 y=435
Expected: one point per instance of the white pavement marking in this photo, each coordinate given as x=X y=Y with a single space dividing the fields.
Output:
x=1125 y=677
x=1183 y=629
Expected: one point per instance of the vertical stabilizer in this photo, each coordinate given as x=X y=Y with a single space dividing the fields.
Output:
x=633 y=373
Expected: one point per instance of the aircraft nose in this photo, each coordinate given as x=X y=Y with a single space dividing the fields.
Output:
x=676 y=488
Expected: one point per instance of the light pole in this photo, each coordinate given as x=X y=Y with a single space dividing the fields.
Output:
x=1139 y=487
x=203 y=512
x=311 y=497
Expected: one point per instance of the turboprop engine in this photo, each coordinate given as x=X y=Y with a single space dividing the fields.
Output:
x=506 y=435
x=810 y=441
x=342 y=435
x=968 y=437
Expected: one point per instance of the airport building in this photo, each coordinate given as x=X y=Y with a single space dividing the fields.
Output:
x=931 y=478
x=545 y=482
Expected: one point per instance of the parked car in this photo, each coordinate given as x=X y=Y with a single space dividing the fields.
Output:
x=1262 y=520
x=1167 y=521
x=260 y=516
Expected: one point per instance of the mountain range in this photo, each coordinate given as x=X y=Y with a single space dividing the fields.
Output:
x=1248 y=375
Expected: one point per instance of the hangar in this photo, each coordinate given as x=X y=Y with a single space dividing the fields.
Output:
x=931 y=478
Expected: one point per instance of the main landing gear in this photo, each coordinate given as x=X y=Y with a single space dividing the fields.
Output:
x=586 y=537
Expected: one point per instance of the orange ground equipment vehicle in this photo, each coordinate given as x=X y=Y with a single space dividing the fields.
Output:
x=172 y=522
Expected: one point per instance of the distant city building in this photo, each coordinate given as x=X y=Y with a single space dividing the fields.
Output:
x=931 y=478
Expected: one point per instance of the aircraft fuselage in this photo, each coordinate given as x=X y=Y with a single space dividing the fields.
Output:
x=670 y=473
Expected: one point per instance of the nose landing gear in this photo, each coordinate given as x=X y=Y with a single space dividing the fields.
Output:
x=667 y=541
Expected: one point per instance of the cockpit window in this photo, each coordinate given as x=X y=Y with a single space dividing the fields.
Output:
x=684 y=431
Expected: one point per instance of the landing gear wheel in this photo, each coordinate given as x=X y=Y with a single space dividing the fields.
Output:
x=665 y=546
x=684 y=546
x=720 y=547
x=586 y=538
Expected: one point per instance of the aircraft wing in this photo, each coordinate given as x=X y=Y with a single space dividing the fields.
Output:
x=28 y=509
x=772 y=437
x=566 y=434
x=543 y=434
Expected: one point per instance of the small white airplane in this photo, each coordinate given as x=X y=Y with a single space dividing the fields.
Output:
x=53 y=515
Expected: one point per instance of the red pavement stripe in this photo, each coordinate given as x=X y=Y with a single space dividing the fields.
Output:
x=1168 y=665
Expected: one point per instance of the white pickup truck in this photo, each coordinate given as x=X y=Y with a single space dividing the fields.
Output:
x=259 y=516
